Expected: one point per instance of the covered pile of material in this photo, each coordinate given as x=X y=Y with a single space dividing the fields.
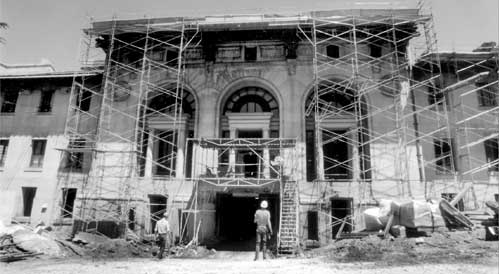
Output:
x=19 y=242
x=415 y=214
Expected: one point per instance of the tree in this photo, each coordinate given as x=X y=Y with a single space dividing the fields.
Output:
x=3 y=25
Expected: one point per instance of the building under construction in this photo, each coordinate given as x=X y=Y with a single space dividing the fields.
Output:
x=323 y=114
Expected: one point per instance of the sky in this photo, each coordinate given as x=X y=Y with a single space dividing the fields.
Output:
x=51 y=29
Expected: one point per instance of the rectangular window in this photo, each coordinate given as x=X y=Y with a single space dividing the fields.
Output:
x=443 y=155
x=83 y=100
x=375 y=50
x=337 y=158
x=9 y=101
x=68 y=200
x=310 y=152
x=492 y=153
x=37 y=153
x=437 y=98
x=75 y=154
x=313 y=225
x=250 y=53
x=188 y=156
x=333 y=51
x=166 y=153
x=28 y=197
x=46 y=101
x=487 y=97
x=4 y=144
x=223 y=158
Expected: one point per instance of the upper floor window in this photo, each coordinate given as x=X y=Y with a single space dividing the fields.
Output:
x=75 y=155
x=375 y=50
x=487 y=97
x=333 y=51
x=83 y=99
x=250 y=53
x=46 y=101
x=4 y=144
x=9 y=101
x=437 y=98
x=443 y=155
x=37 y=153
x=492 y=153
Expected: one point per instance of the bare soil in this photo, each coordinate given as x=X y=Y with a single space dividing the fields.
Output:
x=442 y=252
x=238 y=263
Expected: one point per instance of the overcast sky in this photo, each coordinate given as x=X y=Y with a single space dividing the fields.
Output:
x=51 y=29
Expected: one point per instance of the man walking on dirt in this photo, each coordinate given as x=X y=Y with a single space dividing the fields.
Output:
x=263 y=228
x=162 y=232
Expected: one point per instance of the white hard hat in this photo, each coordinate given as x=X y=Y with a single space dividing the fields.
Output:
x=263 y=204
x=165 y=214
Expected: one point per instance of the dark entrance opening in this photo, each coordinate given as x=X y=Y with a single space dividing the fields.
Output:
x=235 y=225
x=157 y=205
x=313 y=225
x=341 y=208
x=68 y=200
x=28 y=197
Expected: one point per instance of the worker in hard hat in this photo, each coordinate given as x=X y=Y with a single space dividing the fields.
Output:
x=162 y=232
x=263 y=228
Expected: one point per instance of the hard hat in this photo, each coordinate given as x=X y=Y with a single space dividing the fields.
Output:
x=165 y=214
x=263 y=204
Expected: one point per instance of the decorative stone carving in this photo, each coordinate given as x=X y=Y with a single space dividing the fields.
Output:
x=291 y=66
x=274 y=52
x=229 y=53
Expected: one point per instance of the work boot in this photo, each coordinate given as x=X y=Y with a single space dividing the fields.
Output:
x=257 y=250
x=264 y=251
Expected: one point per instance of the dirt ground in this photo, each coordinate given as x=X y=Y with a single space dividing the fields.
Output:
x=442 y=252
x=235 y=262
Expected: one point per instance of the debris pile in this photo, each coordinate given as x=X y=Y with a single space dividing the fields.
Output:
x=192 y=251
x=10 y=252
x=454 y=246
x=99 y=246
x=18 y=242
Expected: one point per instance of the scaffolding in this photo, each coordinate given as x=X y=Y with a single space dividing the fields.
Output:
x=143 y=62
x=386 y=140
x=407 y=145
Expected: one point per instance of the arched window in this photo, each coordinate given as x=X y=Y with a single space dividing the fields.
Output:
x=251 y=99
x=167 y=139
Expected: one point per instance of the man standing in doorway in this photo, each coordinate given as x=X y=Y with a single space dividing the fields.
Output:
x=263 y=228
x=162 y=232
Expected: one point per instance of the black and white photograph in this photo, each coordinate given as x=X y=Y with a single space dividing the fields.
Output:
x=231 y=136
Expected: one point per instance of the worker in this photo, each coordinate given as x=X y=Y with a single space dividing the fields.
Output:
x=162 y=232
x=263 y=228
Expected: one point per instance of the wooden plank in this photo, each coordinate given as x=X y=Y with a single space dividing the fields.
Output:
x=338 y=234
x=388 y=226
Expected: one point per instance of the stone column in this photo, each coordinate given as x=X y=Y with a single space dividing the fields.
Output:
x=320 y=156
x=179 y=164
x=232 y=152
x=149 y=154
x=266 y=155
